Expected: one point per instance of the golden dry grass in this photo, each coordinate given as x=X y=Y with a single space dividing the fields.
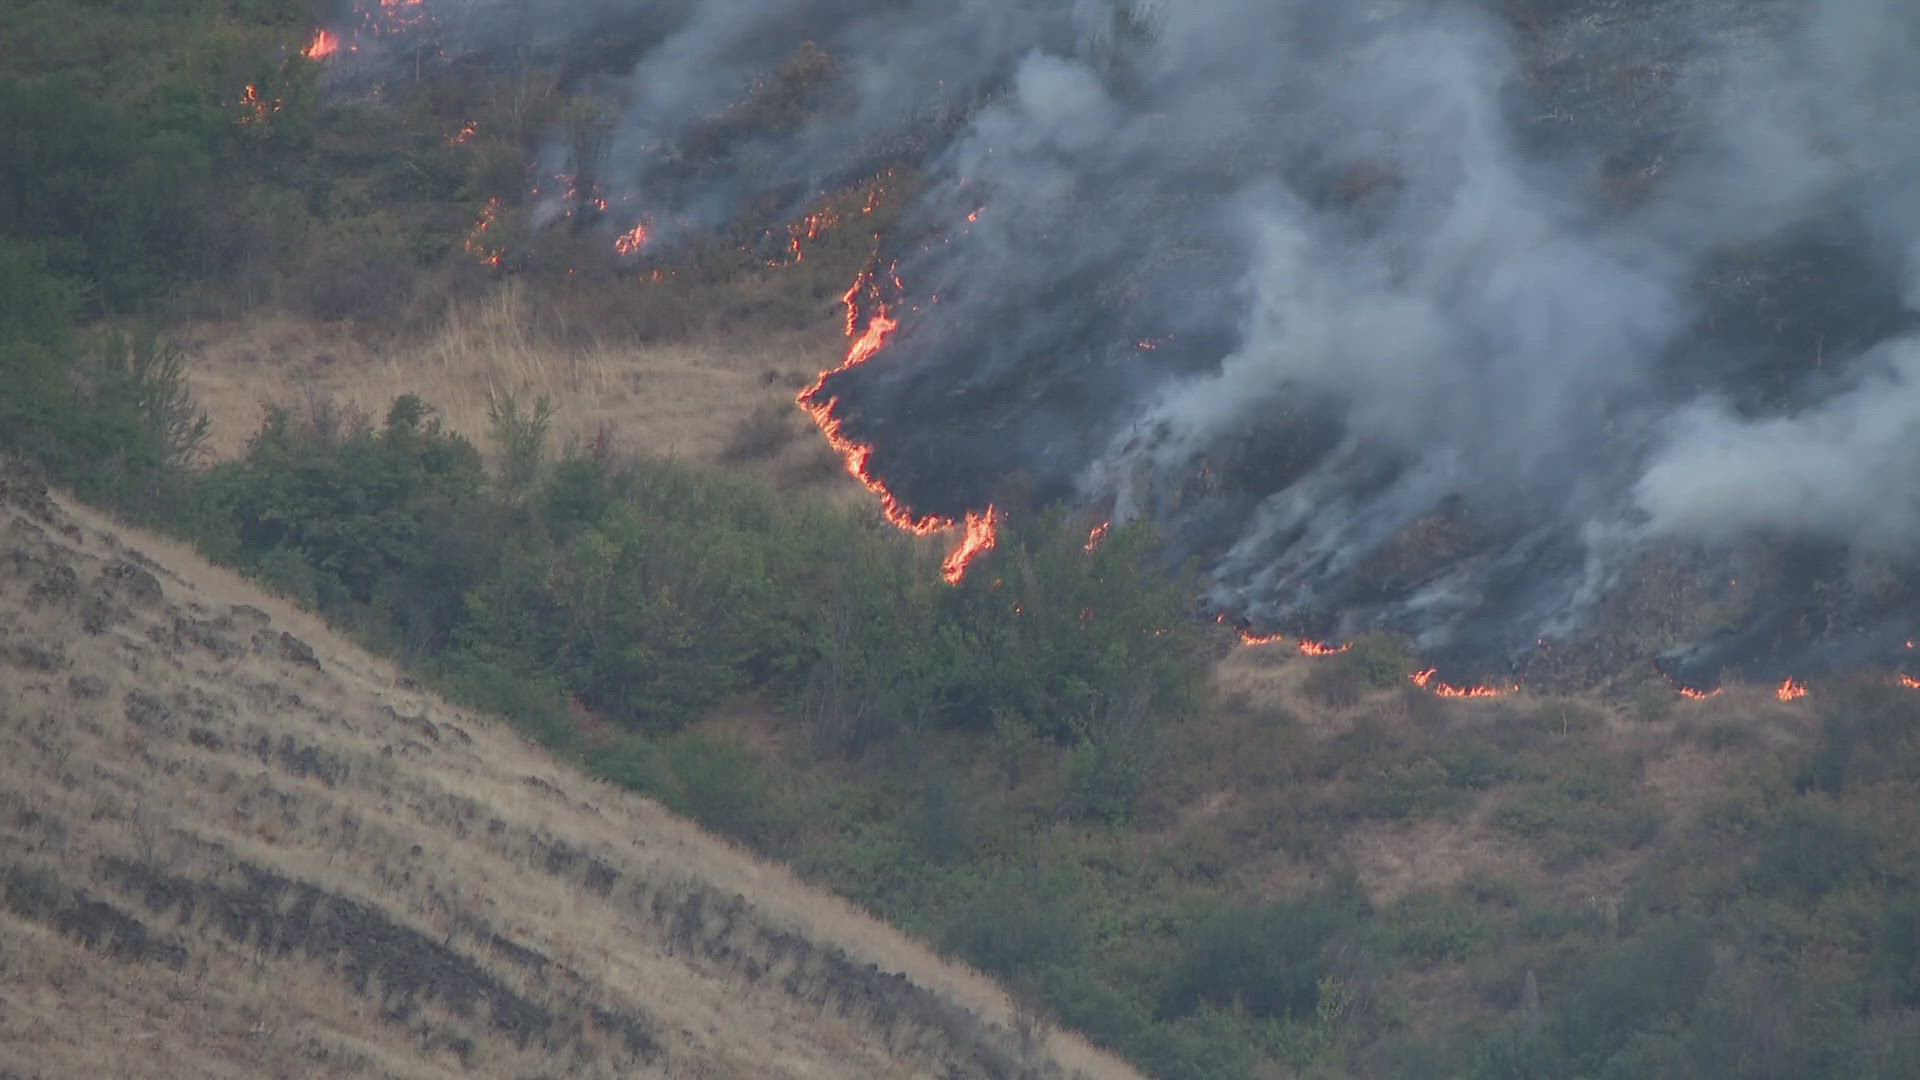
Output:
x=226 y=856
x=683 y=398
x=1266 y=710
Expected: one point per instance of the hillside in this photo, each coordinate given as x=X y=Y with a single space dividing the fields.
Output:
x=1375 y=540
x=237 y=845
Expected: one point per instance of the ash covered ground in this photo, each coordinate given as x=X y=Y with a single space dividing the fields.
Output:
x=1554 y=336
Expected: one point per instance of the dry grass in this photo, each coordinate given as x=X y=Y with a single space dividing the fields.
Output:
x=687 y=398
x=238 y=861
x=1266 y=712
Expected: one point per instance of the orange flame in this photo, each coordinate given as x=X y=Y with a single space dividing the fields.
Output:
x=1321 y=648
x=465 y=133
x=1098 y=534
x=257 y=108
x=1790 y=689
x=631 y=241
x=1307 y=646
x=1425 y=680
x=979 y=529
x=476 y=244
x=1910 y=682
x=1691 y=694
x=979 y=538
x=323 y=45
x=807 y=228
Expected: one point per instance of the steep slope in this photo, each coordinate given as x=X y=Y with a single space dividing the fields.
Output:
x=235 y=845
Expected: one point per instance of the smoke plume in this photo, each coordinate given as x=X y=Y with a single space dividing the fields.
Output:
x=1425 y=316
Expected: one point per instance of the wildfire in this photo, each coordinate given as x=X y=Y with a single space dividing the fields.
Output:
x=808 y=228
x=465 y=133
x=256 y=108
x=1307 y=646
x=323 y=45
x=1790 y=689
x=980 y=536
x=631 y=241
x=1910 y=682
x=1098 y=534
x=1426 y=681
x=1691 y=694
x=476 y=244
x=979 y=529
x=1321 y=648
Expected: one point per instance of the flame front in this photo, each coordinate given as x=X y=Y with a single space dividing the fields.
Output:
x=476 y=244
x=979 y=530
x=1790 y=689
x=1425 y=680
x=323 y=45
x=1691 y=694
x=631 y=241
x=1098 y=534
x=979 y=538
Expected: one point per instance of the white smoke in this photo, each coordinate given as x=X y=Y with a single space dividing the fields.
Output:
x=1387 y=246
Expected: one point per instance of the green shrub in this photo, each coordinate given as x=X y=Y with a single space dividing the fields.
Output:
x=720 y=785
x=1811 y=852
x=1269 y=960
x=1431 y=927
x=1656 y=977
x=1016 y=922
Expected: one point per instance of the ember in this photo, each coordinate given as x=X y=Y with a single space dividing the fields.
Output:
x=256 y=108
x=631 y=241
x=476 y=244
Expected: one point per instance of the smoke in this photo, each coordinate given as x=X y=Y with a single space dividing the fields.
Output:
x=1847 y=469
x=1396 y=314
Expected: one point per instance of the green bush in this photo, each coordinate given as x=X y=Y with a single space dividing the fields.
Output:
x=1269 y=960
x=369 y=511
x=1074 y=642
x=719 y=785
x=1811 y=852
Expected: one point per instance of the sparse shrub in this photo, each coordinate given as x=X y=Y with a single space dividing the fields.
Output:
x=1432 y=927
x=1012 y=921
x=941 y=823
x=520 y=436
x=1657 y=977
x=1862 y=722
x=1270 y=960
x=1585 y=806
x=1376 y=661
x=32 y=892
x=1104 y=780
x=634 y=762
x=1811 y=852
x=719 y=785
x=761 y=434
x=1652 y=699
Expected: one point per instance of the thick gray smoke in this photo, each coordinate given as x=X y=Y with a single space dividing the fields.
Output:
x=1404 y=314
